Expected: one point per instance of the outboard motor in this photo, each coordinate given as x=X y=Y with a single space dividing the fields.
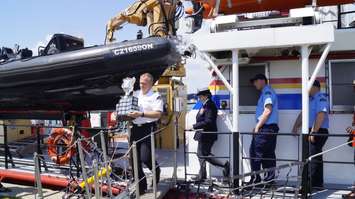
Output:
x=6 y=54
x=25 y=53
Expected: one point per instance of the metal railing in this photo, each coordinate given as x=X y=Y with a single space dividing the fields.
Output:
x=296 y=162
x=151 y=136
x=186 y=174
x=39 y=159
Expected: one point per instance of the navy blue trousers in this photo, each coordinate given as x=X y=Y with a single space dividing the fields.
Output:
x=262 y=149
x=312 y=174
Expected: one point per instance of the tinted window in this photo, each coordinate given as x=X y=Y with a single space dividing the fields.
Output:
x=343 y=75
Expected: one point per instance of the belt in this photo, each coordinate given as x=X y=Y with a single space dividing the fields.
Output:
x=321 y=130
x=270 y=125
x=144 y=125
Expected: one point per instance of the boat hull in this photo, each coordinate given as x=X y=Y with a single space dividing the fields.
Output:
x=86 y=79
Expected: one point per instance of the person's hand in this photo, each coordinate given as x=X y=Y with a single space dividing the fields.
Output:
x=135 y=114
x=311 y=139
x=349 y=130
x=256 y=130
x=295 y=130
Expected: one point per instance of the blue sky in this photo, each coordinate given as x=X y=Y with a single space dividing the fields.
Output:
x=29 y=23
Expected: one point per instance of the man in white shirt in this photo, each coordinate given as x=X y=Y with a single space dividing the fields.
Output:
x=151 y=108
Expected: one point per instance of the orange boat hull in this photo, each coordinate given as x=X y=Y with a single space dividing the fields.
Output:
x=247 y=6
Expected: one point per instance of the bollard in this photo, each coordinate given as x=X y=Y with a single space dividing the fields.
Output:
x=154 y=166
x=83 y=168
x=135 y=168
x=39 y=193
x=103 y=145
x=96 y=179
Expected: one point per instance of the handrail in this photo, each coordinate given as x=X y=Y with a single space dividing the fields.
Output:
x=329 y=150
x=261 y=133
x=295 y=162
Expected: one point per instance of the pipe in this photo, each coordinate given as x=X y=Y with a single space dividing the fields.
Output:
x=47 y=181
x=154 y=166
x=205 y=57
x=135 y=168
x=305 y=101
x=96 y=179
x=235 y=88
x=319 y=66
x=83 y=169
x=235 y=121
x=103 y=146
x=38 y=176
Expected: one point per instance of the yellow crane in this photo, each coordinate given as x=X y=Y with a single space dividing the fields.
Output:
x=158 y=15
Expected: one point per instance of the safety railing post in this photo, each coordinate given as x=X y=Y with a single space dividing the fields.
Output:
x=83 y=169
x=135 y=168
x=154 y=166
x=38 y=138
x=96 y=179
x=6 y=147
x=104 y=150
x=39 y=193
x=236 y=158
x=175 y=149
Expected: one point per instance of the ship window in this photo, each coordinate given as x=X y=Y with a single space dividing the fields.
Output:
x=249 y=96
x=342 y=75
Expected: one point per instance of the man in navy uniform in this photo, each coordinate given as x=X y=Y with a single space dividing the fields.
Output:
x=318 y=124
x=263 y=144
x=206 y=120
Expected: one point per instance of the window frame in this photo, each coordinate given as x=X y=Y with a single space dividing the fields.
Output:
x=251 y=109
x=333 y=107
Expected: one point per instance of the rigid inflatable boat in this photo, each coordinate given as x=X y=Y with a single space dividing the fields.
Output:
x=67 y=76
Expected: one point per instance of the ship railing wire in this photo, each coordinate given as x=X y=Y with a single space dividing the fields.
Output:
x=101 y=163
x=289 y=187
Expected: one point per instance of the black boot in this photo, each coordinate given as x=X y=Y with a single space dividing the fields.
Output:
x=157 y=174
x=255 y=179
x=201 y=176
x=198 y=178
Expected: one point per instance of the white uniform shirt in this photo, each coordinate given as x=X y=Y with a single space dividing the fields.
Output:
x=149 y=102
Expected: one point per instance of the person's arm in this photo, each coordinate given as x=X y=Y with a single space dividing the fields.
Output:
x=264 y=117
x=319 y=121
x=155 y=113
x=322 y=110
x=210 y=116
x=298 y=123
x=148 y=114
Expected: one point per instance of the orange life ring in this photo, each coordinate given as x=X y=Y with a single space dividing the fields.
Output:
x=60 y=136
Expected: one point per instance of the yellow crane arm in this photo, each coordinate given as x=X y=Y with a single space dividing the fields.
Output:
x=153 y=13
